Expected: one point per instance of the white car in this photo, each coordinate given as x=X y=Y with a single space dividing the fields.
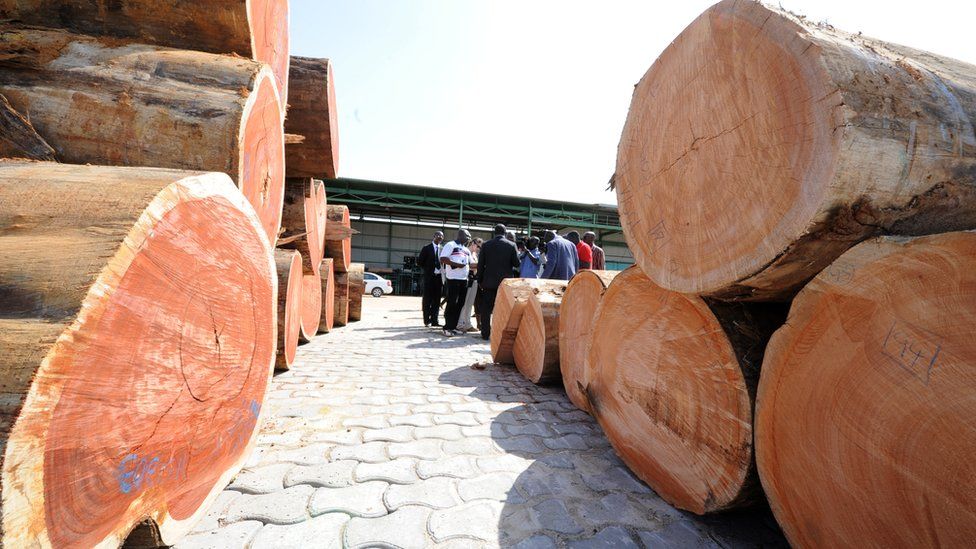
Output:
x=377 y=285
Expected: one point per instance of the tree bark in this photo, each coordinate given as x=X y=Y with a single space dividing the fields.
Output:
x=340 y=315
x=303 y=221
x=513 y=295
x=746 y=196
x=672 y=383
x=357 y=287
x=18 y=138
x=99 y=103
x=865 y=406
x=536 y=349
x=312 y=114
x=338 y=245
x=290 y=285
x=134 y=349
x=254 y=29
x=327 y=320
x=576 y=320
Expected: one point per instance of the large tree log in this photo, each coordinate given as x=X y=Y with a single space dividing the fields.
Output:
x=99 y=103
x=513 y=295
x=357 y=287
x=311 y=306
x=536 y=350
x=338 y=242
x=672 y=383
x=290 y=285
x=327 y=320
x=577 y=317
x=18 y=138
x=255 y=29
x=312 y=114
x=864 y=420
x=340 y=316
x=759 y=147
x=136 y=344
x=303 y=221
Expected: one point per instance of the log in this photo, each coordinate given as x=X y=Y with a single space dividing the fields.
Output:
x=303 y=221
x=340 y=316
x=18 y=138
x=536 y=350
x=513 y=295
x=288 y=265
x=672 y=382
x=312 y=114
x=865 y=407
x=338 y=246
x=577 y=317
x=254 y=29
x=136 y=345
x=357 y=287
x=327 y=320
x=99 y=103
x=748 y=195
x=311 y=306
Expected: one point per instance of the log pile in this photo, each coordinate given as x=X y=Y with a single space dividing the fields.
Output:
x=510 y=303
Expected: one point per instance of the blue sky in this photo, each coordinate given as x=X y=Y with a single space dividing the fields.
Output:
x=528 y=97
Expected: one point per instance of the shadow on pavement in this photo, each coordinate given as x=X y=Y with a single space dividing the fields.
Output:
x=570 y=487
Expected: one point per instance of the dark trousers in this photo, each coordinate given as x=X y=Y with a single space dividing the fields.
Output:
x=487 y=307
x=457 y=290
x=431 y=303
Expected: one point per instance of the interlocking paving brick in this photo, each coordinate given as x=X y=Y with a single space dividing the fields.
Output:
x=457 y=467
x=496 y=486
x=364 y=500
x=417 y=420
x=406 y=527
x=430 y=448
x=477 y=520
x=371 y=452
x=444 y=432
x=540 y=541
x=344 y=437
x=402 y=433
x=285 y=507
x=334 y=474
x=211 y=520
x=677 y=534
x=477 y=446
x=306 y=455
x=397 y=471
x=323 y=532
x=505 y=462
x=261 y=480
x=552 y=514
x=436 y=492
x=238 y=534
x=609 y=538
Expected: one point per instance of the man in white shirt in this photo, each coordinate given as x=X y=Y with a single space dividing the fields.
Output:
x=456 y=264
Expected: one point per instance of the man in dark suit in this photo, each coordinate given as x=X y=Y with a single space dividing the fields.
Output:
x=498 y=260
x=430 y=261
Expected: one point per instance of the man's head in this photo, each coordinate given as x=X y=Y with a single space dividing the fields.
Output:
x=500 y=230
x=438 y=237
x=532 y=243
x=589 y=237
x=463 y=236
x=573 y=237
x=510 y=236
x=548 y=236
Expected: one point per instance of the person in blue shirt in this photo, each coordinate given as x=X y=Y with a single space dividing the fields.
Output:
x=562 y=261
x=531 y=259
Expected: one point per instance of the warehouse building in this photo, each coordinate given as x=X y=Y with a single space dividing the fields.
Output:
x=395 y=221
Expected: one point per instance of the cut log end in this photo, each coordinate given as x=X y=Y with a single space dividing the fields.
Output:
x=311 y=306
x=577 y=317
x=270 y=37
x=357 y=287
x=671 y=395
x=536 y=350
x=147 y=402
x=303 y=221
x=512 y=297
x=262 y=169
x=865 y=407
x=327 y=320
x=290 y=282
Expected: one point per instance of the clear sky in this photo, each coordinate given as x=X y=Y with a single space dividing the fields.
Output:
x=528 y=97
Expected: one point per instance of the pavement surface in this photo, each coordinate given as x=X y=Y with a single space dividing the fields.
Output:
x=383 y=435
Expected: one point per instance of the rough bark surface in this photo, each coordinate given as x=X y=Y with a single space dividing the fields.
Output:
x=513 y=295
x=864 y=417
x=577 y=318
x=340 y=315
x=303 y=221
x=327 y=320
x=338 y=243
x=672 y=383
x=255 y=29
x=749 y=195
x=357 y=287
x=536 y=350
x=18 y=138
x=312 y=114
x=136 y=345
x=288 y=265
x=96 y=102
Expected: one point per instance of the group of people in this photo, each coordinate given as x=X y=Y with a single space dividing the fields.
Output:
x=468 y=271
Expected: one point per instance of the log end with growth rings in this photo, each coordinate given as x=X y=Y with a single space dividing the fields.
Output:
x=290 y=284
x=577 y=318
x=262 y=145
x=327 y=320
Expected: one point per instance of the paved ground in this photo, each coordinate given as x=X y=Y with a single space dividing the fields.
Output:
x=384 y=436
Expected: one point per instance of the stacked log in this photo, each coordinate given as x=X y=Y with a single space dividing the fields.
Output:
x=304 y=231
x=340 y=315
x=536 y=349
x=338 y=238
x=357 y=287
x=576 y=320
x=92 y=101
x=672 y=387
x=865 y=406
x=133 y=297
x=513 y=296
x=288 y=264
x=327 y=319
x=839 y=137
x=253 y=29
x=312 y=115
